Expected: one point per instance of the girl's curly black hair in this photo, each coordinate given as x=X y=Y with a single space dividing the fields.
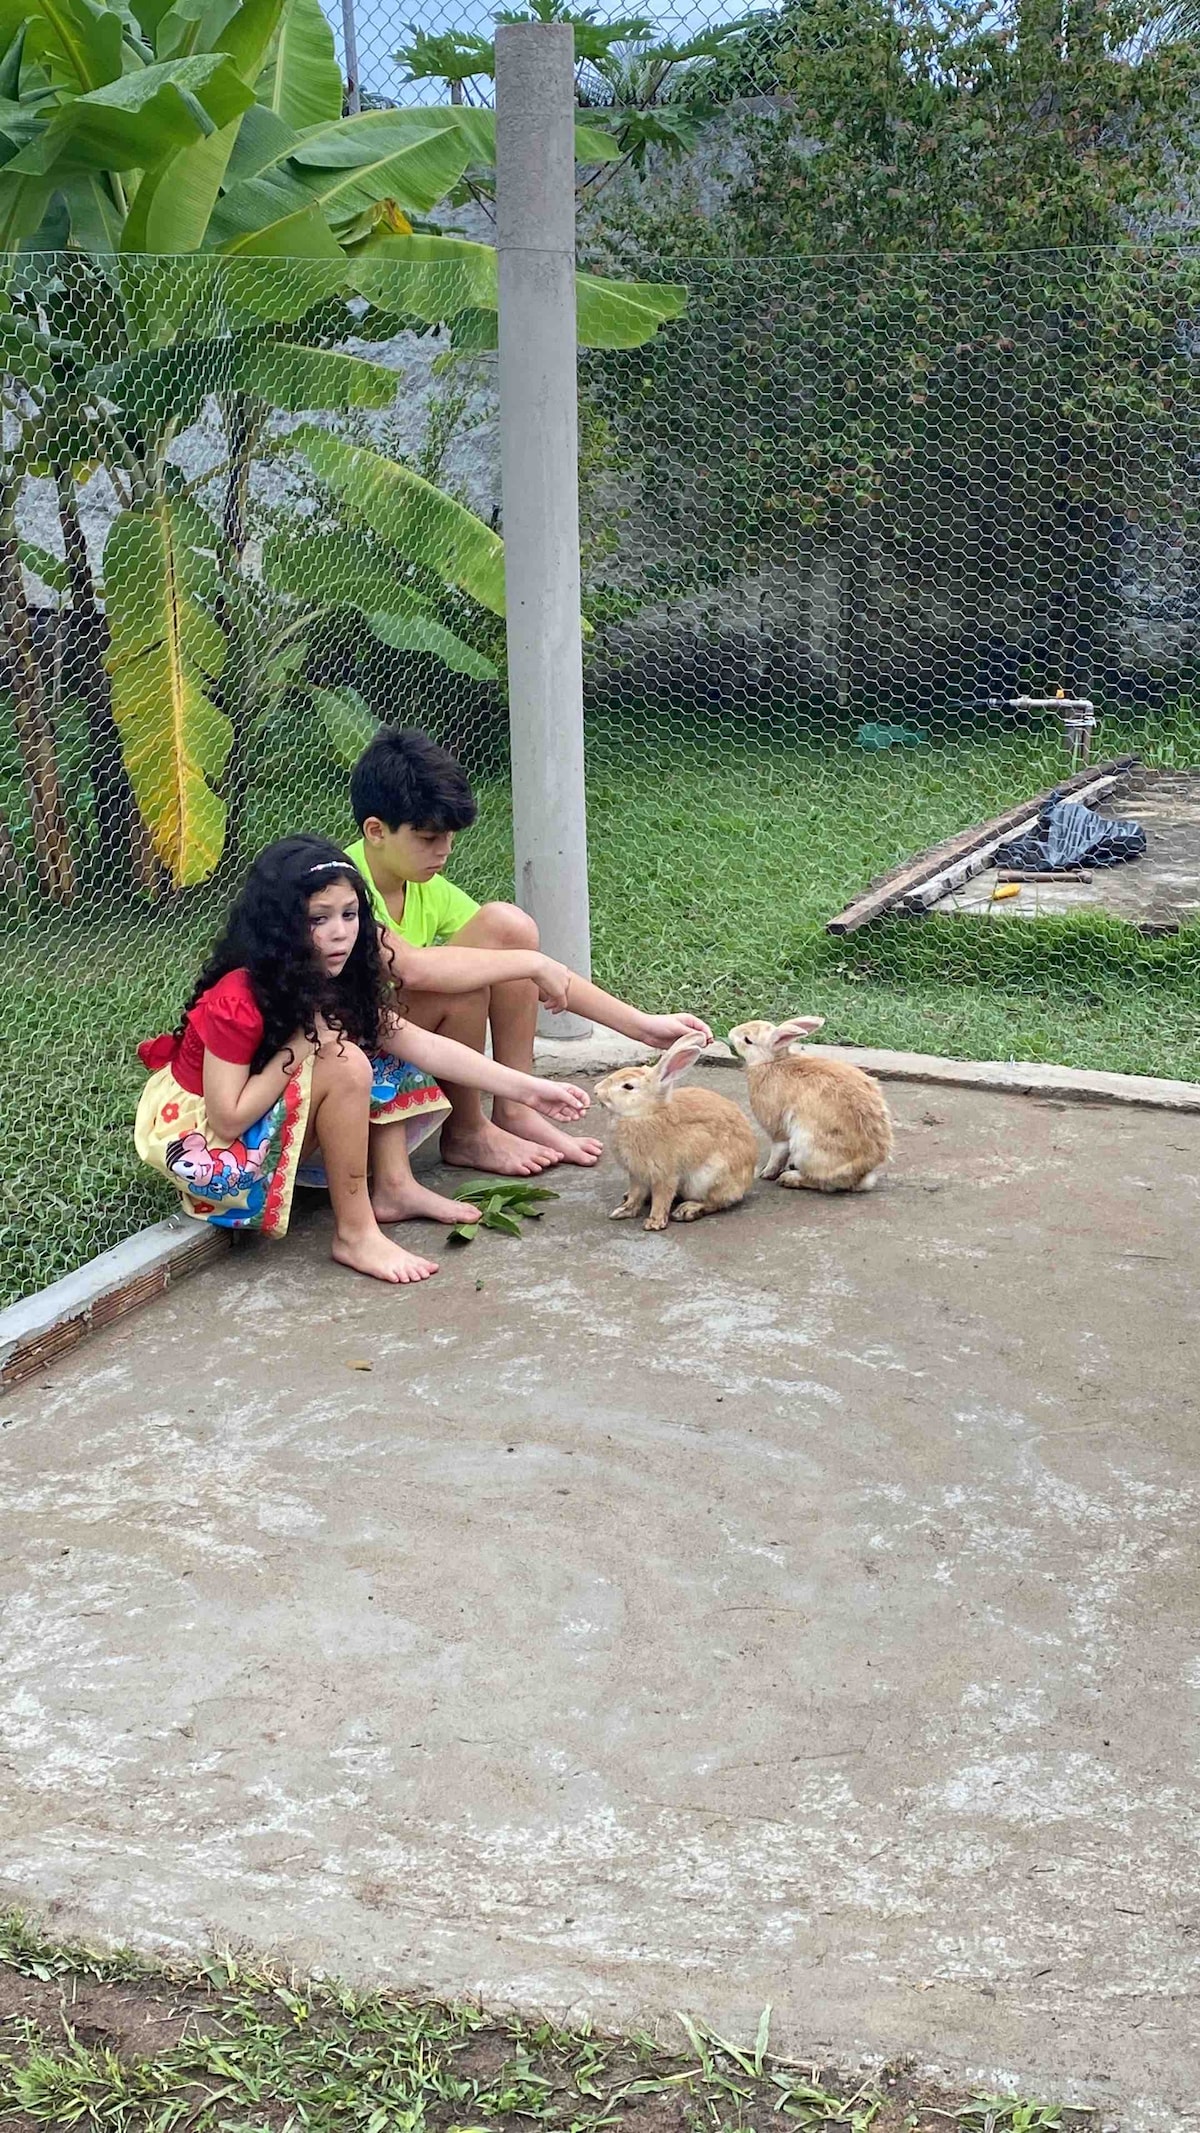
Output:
x=267 y=933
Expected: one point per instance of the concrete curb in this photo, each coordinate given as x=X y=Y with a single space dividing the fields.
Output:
x=35 y=1332
x=1017 y=1077
x=598 y=1055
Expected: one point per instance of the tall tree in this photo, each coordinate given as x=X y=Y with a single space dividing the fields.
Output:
x=934 y=328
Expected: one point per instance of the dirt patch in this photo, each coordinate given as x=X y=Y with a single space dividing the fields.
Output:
x=134 y=2020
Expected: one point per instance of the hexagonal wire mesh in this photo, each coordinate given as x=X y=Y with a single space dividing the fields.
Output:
x=837 y=525
x=251 y=518
x=854 y=530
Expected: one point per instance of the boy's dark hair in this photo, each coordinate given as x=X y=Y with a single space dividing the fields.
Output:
x=406 y=779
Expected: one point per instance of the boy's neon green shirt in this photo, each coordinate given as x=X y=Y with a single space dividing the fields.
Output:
x=434 y=911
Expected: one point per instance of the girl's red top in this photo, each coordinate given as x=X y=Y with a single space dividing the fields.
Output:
x=225 y=1021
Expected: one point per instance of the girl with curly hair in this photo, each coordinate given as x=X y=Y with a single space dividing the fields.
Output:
x=292 y=1055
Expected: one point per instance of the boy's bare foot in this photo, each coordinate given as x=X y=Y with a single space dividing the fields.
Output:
x=403 y=1203
x=489 y=1147
x=566 y=1149
x=371 y=1253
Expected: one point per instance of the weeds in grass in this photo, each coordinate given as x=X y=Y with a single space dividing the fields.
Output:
x=1004 y=2114
x=33 y=1954
x=257 y=2050
x=79 y=2087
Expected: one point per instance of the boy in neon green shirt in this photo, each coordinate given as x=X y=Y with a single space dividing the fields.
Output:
x=463 y=966
x=431 y=911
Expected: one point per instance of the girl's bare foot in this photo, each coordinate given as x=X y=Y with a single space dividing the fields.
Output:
x=371 y=1253
x=563 y=1146
x=400 y=1203
x=489 y=1147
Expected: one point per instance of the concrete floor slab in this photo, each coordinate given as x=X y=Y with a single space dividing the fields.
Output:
x=800 y=1607
x=1158 y=893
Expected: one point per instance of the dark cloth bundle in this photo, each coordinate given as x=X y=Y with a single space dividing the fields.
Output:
x=1071 y=835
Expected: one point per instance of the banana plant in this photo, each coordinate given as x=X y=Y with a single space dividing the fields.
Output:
x=122 y=131
x=176 y=651
x=196 y=643
x=191 y=225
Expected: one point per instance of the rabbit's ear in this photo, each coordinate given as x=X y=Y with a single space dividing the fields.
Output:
x=789 y=1032
x=682 y=1056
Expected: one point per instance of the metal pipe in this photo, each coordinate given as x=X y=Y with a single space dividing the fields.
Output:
x=350 y=54
x=1079 y=718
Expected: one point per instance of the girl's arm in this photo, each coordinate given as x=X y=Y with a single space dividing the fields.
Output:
x=234 y=1097
x=447 y=1059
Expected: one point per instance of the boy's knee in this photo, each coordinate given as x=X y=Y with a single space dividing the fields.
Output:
x=508 y=926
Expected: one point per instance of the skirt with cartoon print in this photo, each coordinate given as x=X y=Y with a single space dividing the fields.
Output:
x=250 y=1184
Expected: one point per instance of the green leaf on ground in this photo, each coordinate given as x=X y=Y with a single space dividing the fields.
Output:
x=505 y=1203
x=512 y=1193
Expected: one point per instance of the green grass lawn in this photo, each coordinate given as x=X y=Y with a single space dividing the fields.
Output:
x=714 y=867
x=712 y=880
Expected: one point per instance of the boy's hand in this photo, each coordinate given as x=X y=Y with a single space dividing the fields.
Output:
x=553 y=983
x=662 y=1030
x=555 y=1099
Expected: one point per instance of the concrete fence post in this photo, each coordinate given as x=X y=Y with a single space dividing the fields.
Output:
x=535 y=227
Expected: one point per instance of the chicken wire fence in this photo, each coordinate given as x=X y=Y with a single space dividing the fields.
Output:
x=870 y=544
x=628 y=60
x=247 y=516
x=836 y=522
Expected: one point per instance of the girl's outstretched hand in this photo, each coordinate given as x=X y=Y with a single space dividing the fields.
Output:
x=663 y=1030
x=555 y=1099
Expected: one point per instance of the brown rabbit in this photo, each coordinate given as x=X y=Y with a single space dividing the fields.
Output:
x=827 y=1121
x=689 y=1151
